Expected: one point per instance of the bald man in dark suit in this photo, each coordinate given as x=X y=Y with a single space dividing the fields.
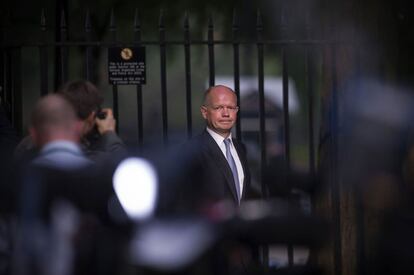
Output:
x=218 y=163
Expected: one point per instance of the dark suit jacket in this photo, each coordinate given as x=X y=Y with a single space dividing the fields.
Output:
x=210 y=178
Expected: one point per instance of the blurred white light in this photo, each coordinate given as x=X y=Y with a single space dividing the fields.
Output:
x=136 y=184
x=171 y=245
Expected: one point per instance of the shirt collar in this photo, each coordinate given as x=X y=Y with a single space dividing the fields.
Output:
x=218 y=138
x=60 y=144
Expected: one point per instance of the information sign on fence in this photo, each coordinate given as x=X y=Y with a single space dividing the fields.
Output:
x=126 y=65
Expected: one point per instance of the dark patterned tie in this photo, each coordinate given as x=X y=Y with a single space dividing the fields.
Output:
x=233 y=167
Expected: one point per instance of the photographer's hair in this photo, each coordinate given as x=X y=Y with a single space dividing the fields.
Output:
x=83 y=95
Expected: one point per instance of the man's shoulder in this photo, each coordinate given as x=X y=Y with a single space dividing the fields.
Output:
x=104 y=147
x=200 y=139
x=194 y=145
x=63 y=158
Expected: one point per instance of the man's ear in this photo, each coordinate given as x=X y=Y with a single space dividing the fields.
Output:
x=88 y=123
x=91 y=116
x=203 y=110
x=78 y=128
x=90 y=120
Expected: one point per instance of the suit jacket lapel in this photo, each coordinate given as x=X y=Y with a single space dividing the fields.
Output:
x=222 y=165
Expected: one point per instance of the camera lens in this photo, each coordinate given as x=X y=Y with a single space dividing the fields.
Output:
x=101 y=115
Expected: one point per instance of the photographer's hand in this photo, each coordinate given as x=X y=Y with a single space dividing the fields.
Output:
x=108 y=123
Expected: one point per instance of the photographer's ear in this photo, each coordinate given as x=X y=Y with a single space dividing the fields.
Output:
x=78 y=128
x=89 y=123
x=91 y=117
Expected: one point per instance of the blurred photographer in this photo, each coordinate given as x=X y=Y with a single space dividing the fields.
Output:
x=99 y=140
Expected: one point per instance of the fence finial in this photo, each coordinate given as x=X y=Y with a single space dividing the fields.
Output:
x=259 y=21
x=210 y=21
x=63 y=20
x=112 y=21
x=308 y=27
x=43 y=20
x=88 y=24
x=137 y=26
x=161 y=19
x=235 y=23
x=186 y=21
x=137 y=22
x=283 y=23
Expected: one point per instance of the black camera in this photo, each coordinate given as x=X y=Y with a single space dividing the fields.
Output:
x=101 y=114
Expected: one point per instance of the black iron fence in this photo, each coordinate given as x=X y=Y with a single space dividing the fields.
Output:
x=11 y=60
x=54 y=62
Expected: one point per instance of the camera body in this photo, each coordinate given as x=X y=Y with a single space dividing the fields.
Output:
x=101 y=114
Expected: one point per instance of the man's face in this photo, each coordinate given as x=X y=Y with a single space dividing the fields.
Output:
x=220 y=110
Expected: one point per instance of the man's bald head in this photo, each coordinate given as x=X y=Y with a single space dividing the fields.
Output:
x=53 y=118
x=213 y=90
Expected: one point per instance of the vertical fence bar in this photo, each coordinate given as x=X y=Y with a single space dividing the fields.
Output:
x=88 y=50
x=3 y=77
x=17 y=91
x=2 y=72
x=2 y=68
x=310 y=75
x=60 y=57
x=3 y=64
x=8 y=100
x=361 y=267
x=7 y=72
x=140 y=122
x=187 y=55
x=163 y=67
x=262 y=111
x=236 y=69
x=62 y=53
x=6 y=67
x=285 y=84
x=262 y=119
x=286 y=118
x=335 y=190
x=210 y=39
x=11 y=79
x=112 y=31
x=43 y=55
x=310 y=86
